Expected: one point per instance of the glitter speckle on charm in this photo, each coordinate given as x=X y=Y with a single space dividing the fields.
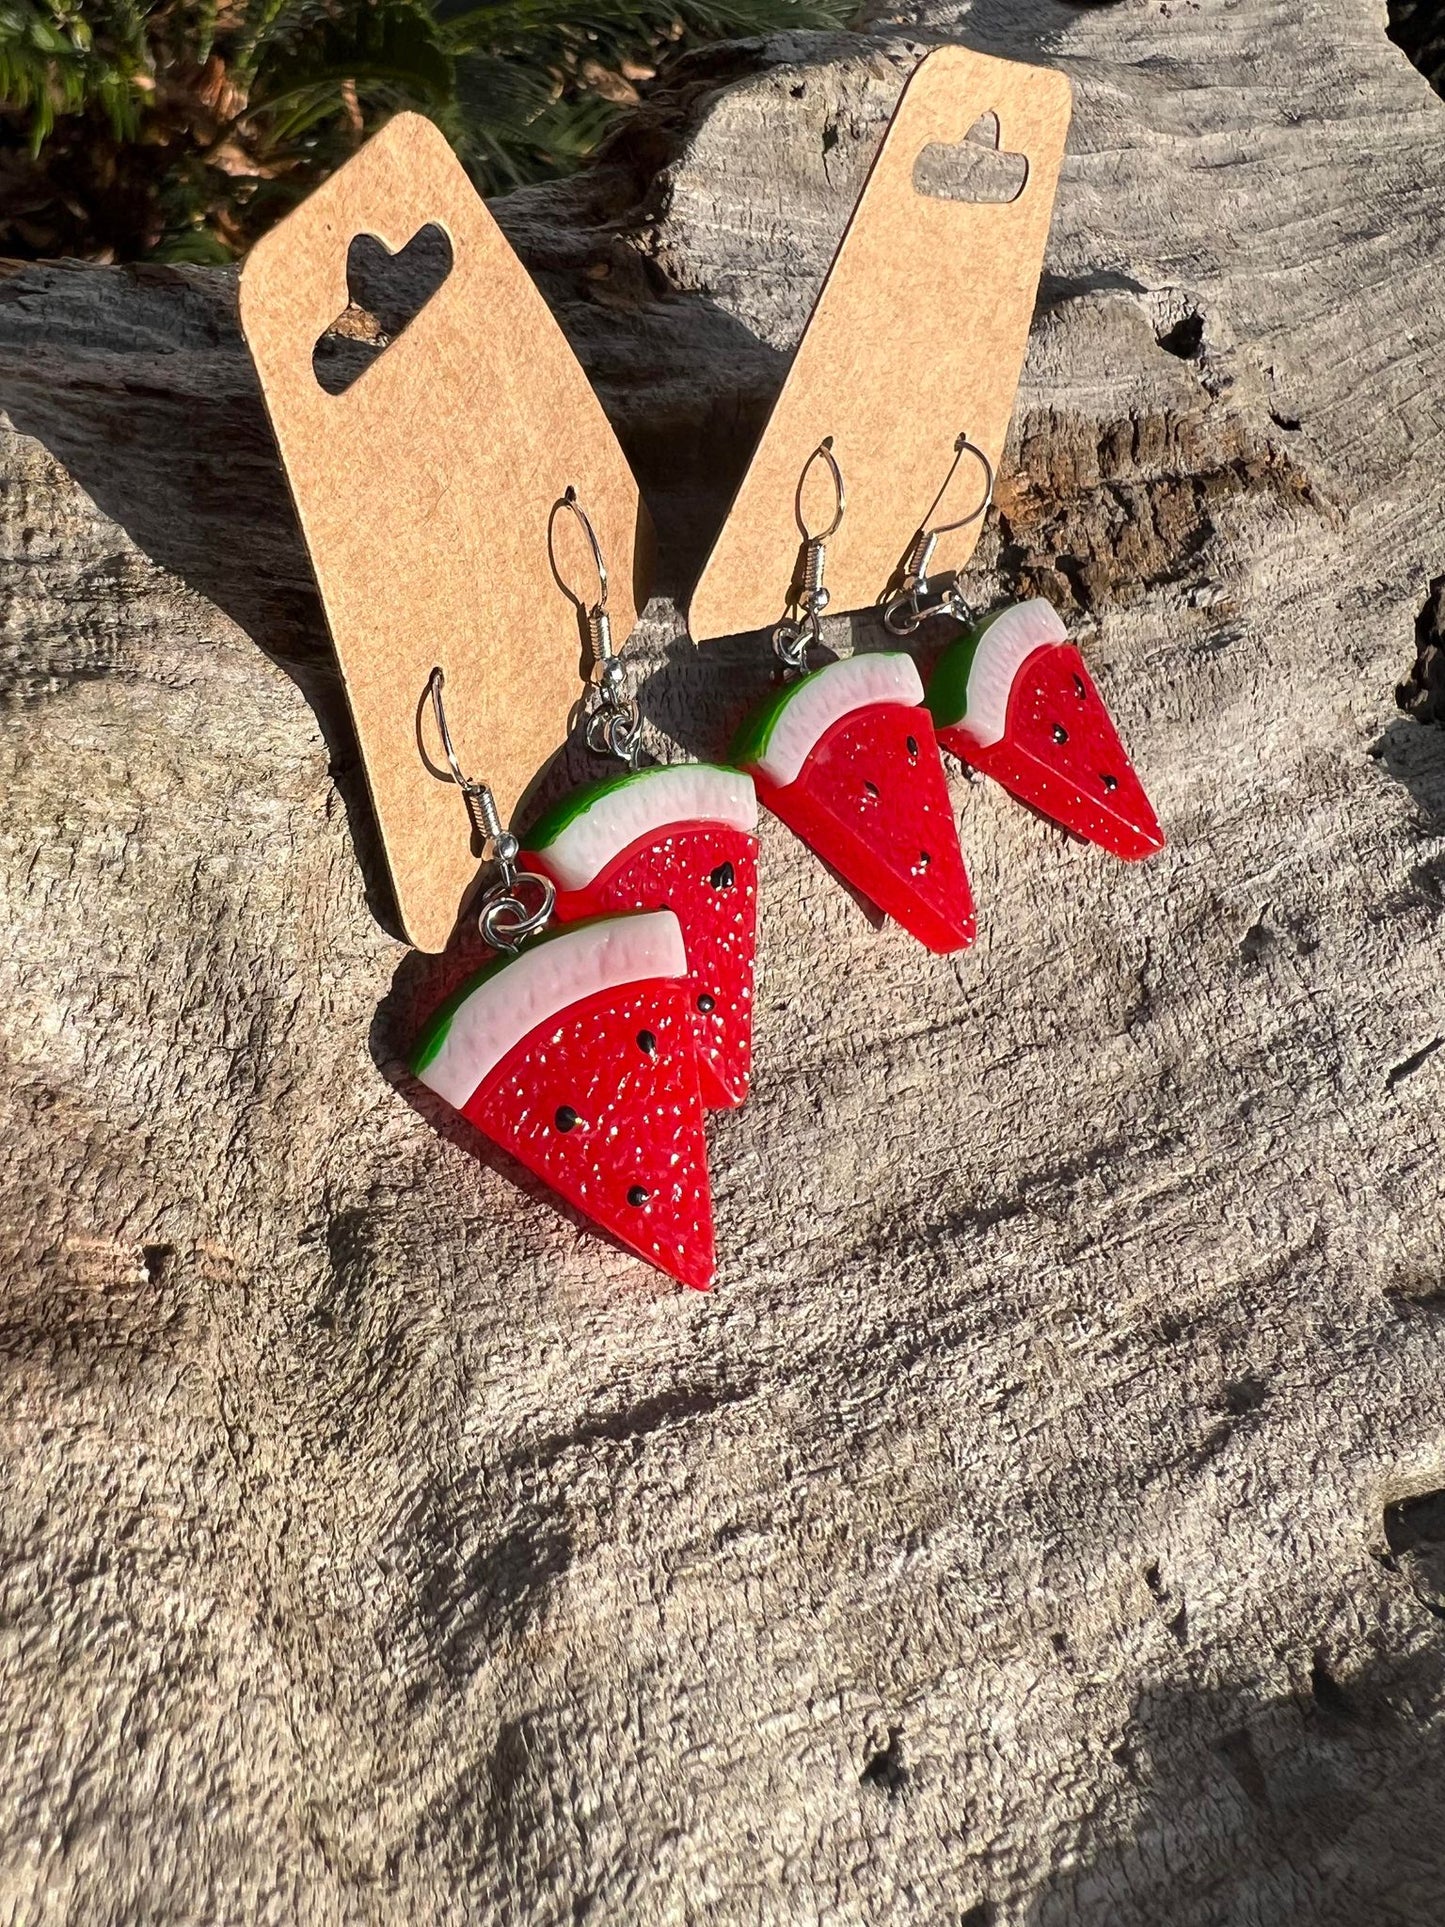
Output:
x=706 y=873
x=615 y=1129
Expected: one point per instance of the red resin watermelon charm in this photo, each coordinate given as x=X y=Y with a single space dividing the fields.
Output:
x=847 y=758
x=681 y=839
x=1013 y=699
x=577 y=1056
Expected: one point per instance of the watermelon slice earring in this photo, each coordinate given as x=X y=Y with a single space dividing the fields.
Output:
x=574 y=1051
x=1012 y=699
x=846 y=756
x=679 y=838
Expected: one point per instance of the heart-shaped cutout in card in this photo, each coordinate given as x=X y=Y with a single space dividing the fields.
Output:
x=978 y=168
x=430 y=415
x=385 y=294
x=918 y=336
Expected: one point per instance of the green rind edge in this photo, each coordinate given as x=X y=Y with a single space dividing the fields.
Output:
x=946 y=697
x=750 y=745
x=755 y=733
x=427 y=1046
x=562 y=815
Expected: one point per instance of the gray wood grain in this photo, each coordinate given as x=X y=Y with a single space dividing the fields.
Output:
x=1004 y=1541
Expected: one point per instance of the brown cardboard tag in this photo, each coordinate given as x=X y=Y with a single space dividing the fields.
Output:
x=918 y=334
x=424 y=491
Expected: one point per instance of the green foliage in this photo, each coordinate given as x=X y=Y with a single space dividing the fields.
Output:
x=175 y=131
x=50 y=64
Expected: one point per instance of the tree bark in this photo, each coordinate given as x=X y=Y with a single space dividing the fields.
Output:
x=1016 y=1534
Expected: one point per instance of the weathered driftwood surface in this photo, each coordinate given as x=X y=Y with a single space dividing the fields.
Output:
x=1005 y=1540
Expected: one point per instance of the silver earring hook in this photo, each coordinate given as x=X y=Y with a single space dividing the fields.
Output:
x=505 y=918
x=963 y=446
x=822 y=453
x=903 y=613
x=569 y=501
x=792 y=638
x=615 y=728
x=436 y=682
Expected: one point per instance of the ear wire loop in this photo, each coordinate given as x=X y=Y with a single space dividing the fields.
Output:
x=908 y=608
x=614 y=728
x=793 y=639
x=506 y=917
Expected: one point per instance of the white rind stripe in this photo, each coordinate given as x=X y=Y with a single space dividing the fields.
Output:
x=544 y=981
x=828 y=695
x=1003 y=649
x=653 y=803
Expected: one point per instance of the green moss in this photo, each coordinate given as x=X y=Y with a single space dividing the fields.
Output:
x=946 y=698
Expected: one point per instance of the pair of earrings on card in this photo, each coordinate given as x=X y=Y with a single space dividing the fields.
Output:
x=590 y=1050
x=848 y=754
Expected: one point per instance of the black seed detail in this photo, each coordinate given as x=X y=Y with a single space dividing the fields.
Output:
x=1111 y=783
x=646 y=1042
x=1079 y=687
x=872 y=788
x=924 y=859
x=706 y=1004
x=723 y=877
x=566 y=1118
x=638 y=1195
x=913 y=749
x=1061 y=735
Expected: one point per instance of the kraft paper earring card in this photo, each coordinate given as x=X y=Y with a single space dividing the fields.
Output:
x=918 y=336
x=424 y=486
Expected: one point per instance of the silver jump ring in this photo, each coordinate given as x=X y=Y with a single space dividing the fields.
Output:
x=955 y=606
x=616 y=732
x=791 y=642
x=505 y=921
